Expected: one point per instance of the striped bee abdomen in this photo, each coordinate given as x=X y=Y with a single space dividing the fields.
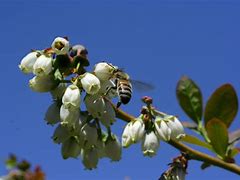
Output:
x=124 y=89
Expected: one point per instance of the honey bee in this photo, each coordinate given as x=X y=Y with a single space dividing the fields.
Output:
x=124 y=85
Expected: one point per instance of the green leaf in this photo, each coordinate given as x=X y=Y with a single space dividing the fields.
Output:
x=218 y=135
x=223 y=104
x=190 y=98
x=194 y=140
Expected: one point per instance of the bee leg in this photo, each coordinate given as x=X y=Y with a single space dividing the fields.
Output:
x=108 y=90
x=119 y=104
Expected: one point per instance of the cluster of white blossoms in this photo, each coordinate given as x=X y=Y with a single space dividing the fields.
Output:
x=82 y=109
x=151 y=127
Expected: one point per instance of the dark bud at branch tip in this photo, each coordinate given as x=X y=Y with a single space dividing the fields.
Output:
x=147 y=100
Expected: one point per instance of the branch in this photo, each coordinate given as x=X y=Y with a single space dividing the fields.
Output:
x=122 y=115
x=199 y=156
x=192 y=154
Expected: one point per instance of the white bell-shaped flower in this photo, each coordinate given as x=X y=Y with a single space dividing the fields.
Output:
x=162 y=129
x=107 y=117
x=108 y=89
x=95 y=105
x=61 y=134
x=100 y=108
x=71 y=97
x=90 y=83
x=81 y=142
x=169 y=127
x=43 y=66
x=177 y=130
x=60 y=46
x=89 y=158
x=70 y=148
x=127 y=136
x=59 y=91
x=113 y=149
x=100 y=145
x=43 y=83
x=90 y=134
x=150 y=144
x=137 y=130
x=52 y=115
x=69 y=117
x=77 y=131
x=82 y=120
x=104 y=71
x=28 y=61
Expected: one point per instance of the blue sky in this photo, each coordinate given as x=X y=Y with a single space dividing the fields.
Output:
x=155 y=41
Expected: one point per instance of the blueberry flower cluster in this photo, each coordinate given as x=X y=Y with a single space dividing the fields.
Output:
x=82 y=110
x=79 y=129
x=151 y=127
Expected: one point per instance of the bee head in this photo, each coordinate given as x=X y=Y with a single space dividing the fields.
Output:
x=121 y=75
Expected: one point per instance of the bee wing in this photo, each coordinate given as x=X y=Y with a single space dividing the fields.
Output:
x=141 y=86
